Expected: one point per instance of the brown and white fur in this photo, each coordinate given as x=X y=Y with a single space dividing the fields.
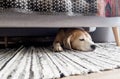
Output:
x=73 y=39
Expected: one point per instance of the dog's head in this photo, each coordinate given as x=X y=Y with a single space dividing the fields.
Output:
x=79 y=40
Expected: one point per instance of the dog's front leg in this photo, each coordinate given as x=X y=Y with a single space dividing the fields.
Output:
x=58 y=41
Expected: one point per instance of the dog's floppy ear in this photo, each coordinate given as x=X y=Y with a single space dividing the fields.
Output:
x=67 y=42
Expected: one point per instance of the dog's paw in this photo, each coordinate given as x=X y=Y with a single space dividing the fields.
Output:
x=57 y=48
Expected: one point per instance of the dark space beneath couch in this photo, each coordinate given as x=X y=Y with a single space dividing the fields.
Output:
x=28 y=31
x=27 y=36
x=30 y=36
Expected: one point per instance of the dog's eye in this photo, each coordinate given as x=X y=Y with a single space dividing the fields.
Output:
x=82 y=39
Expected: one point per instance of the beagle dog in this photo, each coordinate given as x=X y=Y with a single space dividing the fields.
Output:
x=73 y=39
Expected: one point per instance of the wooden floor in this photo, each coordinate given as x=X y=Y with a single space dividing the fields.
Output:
x=114 y=74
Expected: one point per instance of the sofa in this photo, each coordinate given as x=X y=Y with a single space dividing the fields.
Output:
x=23 y=14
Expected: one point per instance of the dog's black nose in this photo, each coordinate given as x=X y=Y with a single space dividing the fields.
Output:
x=93 y=47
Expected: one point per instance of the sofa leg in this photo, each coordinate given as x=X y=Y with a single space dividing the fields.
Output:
x=116 y=35
x=6 y=41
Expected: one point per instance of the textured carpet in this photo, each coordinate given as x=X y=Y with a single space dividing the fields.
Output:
x=42 y=63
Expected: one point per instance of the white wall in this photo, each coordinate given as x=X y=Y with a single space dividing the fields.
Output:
x=103 y=34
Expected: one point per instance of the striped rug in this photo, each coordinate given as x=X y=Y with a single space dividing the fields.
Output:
x=42 y=63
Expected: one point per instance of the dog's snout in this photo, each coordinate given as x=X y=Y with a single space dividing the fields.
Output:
x=93 y=47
